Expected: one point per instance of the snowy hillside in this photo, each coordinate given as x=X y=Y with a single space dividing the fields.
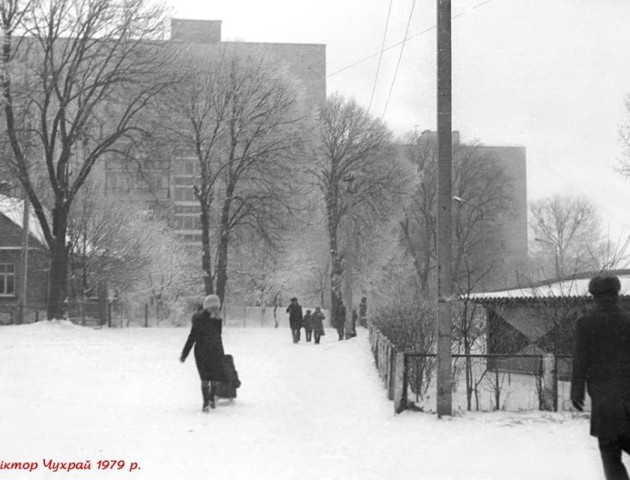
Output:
x=305 y=411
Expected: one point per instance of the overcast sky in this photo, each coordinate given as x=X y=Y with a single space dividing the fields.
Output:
x=551 y=75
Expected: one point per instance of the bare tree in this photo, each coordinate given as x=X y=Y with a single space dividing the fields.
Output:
x=117 y=244
x=624 y=135
x=481 y=191
x=76 y=74
x=240 y=116
x=566 y=232
x=360 y=176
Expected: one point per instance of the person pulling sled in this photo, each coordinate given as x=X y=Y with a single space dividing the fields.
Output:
x=205 y=336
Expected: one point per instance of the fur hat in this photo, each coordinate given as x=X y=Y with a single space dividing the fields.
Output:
x=604 y=285
x=294 y=299
x=211 y=301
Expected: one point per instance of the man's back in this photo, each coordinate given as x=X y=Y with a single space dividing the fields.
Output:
x=602 y=364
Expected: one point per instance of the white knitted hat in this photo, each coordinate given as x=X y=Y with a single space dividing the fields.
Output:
x=211 y=301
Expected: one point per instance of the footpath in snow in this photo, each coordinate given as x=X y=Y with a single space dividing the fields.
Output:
x=305 y=411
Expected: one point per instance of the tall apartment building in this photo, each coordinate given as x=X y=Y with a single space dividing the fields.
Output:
x=503 y=245
x=169 y=181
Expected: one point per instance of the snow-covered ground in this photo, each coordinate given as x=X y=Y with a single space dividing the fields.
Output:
x=305 y=411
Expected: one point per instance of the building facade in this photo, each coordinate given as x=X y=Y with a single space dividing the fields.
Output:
x=489 y=209
x=167 y=184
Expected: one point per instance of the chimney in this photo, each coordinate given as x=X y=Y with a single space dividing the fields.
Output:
x=196 y=31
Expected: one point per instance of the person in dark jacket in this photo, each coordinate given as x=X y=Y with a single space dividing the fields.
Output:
x=205 y=335
x=355 y=317
x=340 y=320
x=295 y=318
x=601 y=365
x=317 y=320
x=308 y=326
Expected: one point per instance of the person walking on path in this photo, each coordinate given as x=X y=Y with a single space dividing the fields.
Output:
x=308 y=325
x=317 y=320
x=295 y=318
x=601 y=365
x=340 y=320
x=355 y=317
x=205 y=336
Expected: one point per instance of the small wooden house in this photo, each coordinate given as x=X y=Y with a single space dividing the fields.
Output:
x=24 y=265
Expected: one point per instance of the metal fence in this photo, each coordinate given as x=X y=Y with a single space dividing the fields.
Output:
x=481 y=382
x=484 y=382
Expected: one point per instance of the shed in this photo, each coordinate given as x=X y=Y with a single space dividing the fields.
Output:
x=540 y=318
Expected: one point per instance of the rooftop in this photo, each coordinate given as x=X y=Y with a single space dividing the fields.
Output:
x=574 y=286
x=13 y=209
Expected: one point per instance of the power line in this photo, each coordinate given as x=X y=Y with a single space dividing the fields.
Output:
x=402 y=48
x=358 y=62
x=381 y=53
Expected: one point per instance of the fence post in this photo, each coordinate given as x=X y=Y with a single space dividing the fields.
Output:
x=146 y=315
x=400 y=381
x=548 y=381
x=391 y=370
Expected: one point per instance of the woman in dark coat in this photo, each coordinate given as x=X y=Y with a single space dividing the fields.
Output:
x=205 y=335
x=317 y=322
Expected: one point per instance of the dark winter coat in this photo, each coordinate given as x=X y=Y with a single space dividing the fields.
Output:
x=307 y=321
x=601 y=364
x=317 y=320
x=340 y=318
x=205 y=335
x=295 y=315
x=227 y=388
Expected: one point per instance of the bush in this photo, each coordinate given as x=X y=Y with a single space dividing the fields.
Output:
x=410 y=324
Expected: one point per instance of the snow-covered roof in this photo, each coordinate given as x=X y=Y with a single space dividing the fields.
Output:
x=13 y=209
x=568 y=287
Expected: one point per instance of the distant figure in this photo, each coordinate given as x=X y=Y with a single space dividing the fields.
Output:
x=295 y=318
x=317 y=320
x=601 y=364
x=340 y=320
x=308 y=325
x=353 y=332
x=363 y=312
x=205 y=335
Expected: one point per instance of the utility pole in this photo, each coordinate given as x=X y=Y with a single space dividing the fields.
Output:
x=24 y=257
x=445 y=154
x=349 y=255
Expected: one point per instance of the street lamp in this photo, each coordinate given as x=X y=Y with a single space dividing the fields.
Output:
x=460 y=201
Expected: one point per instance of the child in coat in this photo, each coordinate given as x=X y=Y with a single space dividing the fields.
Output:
x=317 y=320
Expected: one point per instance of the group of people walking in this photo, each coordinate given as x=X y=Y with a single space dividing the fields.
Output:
x=312 y=322
x=217 y=373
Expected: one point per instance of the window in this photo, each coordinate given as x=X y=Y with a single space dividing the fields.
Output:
x=184 y=194
x=7 y=279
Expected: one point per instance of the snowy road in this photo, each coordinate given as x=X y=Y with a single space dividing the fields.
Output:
x=305 y=411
